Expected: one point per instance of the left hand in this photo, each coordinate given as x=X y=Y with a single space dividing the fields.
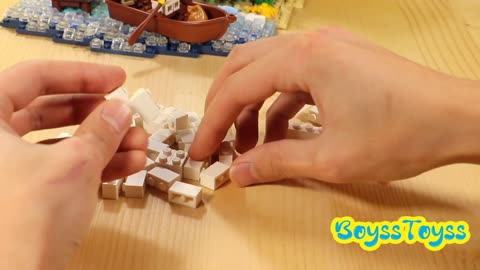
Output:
x=50 y=191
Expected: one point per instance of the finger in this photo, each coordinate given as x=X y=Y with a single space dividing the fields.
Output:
x=135 y=139
x=124 y=164
x=98 y=137
x=274 y=161
x=54 y=77
x=285 y=107
x=54 y=111
x=247 y=128
x=242 y=56
x=227 y=104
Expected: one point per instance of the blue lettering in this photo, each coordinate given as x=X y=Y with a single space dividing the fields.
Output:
x=385 y=230
x=375 y=239
x=410 y=227
x=424 y=232
x=348 y=233
x=439 y=241
x=397 y=234
x=450 y=234
x=461 y=235
x=359 y=232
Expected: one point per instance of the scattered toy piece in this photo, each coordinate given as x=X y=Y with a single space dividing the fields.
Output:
x=185 y=194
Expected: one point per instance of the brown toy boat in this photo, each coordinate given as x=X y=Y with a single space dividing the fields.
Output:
x=186 y=31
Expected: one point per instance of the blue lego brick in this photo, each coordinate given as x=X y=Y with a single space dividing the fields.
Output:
x=103 y=50
x=85 y=42
x=23 y=31
x=165 y=51
x=207 y=49
x=9 y=23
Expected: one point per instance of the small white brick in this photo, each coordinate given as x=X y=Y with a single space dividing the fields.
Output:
x=134 y=186
x=165 y=136
x=186 y=135
x=172 y=160
x=143 y=103
x=193 y=168
x=160 y=122
x=150 y=164
x=121 y=94
x=154 y=148
x=302 y=131
x=162 y=179
x=178 y=120
x=111 y=190
x=214 y=176
x=185 y=194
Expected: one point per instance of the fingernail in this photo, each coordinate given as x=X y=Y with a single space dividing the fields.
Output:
x=242 y=174
x=117 y=114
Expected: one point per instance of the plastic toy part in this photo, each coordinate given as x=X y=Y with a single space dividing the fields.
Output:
x=167 y=164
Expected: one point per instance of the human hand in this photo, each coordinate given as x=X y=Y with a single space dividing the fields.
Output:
x=50 y=191
x=384 y=117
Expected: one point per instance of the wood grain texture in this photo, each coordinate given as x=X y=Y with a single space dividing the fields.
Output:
x=286 y=225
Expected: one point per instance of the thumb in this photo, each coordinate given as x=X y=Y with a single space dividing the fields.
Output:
x=99 y=136
x=275 y=161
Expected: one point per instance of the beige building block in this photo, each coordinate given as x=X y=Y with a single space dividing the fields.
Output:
x=111 y=190
x=143 y=103
x=185 y=194
x=214 y=176
x=193 y=168
x=162 y=179
x=302 y=131
x=134 y=185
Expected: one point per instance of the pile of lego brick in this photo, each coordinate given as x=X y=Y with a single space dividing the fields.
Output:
x=168 y=165
x=103 y=34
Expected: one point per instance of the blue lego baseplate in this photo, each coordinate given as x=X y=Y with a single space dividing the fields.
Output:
x=106 y=35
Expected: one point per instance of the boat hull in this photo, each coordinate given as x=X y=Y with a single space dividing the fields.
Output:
x=186 y=31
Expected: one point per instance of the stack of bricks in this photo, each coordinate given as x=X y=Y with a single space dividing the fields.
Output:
x=307 y=124
x=168 y=166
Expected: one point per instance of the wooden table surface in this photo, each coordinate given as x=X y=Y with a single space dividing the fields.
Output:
x=286 y=225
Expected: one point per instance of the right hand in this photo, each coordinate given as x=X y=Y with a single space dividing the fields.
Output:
x=384 y=117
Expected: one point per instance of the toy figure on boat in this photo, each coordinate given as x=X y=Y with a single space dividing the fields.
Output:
x=183 y=20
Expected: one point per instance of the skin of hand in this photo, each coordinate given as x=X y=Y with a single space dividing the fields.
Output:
x=384 y=117
x=50 y=191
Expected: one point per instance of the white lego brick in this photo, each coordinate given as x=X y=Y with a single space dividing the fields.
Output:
x=185 y=194
x=302 y=131
x=186 y=135
x=150 y=164
x=214 y=176
x=172 y=160
x=134 y=185
x=310 y=114
x=121 y=94
x=193 y=117
x=143 y=103
x=160 y=122
x=162 y=179
x=165 y=136
x=193 y=168
x=154 y=148
x=111 y=190
x=178 y=120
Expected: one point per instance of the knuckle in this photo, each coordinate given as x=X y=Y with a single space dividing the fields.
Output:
x=332 y=168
